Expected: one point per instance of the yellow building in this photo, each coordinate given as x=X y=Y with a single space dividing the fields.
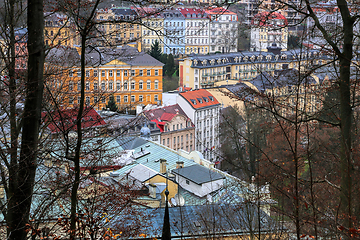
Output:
x=58 y=30
x=204 y=71
x=125 y=75
x=118 y=26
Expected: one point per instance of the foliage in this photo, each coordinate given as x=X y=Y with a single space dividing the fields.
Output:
x=155 y=50
x=112 y=104
x=170 y=83
x=293 y=41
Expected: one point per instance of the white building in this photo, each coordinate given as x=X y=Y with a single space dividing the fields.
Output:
x=203 y=109
x=267 y=28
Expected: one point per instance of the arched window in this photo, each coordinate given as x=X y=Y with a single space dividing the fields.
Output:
x=140 y=85
x=125 y=85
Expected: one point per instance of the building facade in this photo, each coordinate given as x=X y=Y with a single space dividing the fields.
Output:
x=125 y=75
x=177 y=130
x=204 y=110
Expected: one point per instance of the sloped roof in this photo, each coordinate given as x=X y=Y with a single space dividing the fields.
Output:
x=199 y=98
x=164 y=114
x=219 y=11
x=65 y=120
x=202 y=220
x=198 y=174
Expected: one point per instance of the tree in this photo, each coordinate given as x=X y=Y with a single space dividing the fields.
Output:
x=19 y=151
x=155 y=50
x=112 y=105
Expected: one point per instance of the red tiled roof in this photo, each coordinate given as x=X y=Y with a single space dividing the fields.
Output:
x=264 y=19
x=65 y=120
x=218 y=10
x=167 y=116
x=191 y=11
x=199 y=98
x=164 y=114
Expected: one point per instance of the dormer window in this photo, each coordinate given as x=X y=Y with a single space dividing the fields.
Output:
x=252 y=58
x=206 y=99
x=200 y=100
x=211 y=98
x=193 y=101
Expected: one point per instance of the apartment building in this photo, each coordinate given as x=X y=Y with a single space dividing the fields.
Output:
x=268 y=28
x=203 y=109
x=177 y=130
x=59 y=30
x=224 y=30
x=118 y=26
x=174 y=32
x=130 y=77
x=204 y=71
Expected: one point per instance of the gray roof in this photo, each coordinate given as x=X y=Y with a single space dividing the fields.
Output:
x=207 y=220
x=198 y=174
x=100 y=56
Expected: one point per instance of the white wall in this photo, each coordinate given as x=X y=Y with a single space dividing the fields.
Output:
x=199 y=190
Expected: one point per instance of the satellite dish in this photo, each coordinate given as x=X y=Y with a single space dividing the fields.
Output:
x=179 y=199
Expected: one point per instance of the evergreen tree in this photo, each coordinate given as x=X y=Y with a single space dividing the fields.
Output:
x=112 y=105
x=155 y=50
x=169 y=65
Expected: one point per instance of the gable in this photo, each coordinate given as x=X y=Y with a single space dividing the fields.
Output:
x=115 y=62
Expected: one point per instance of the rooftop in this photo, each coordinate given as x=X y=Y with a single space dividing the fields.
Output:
x=198 y=174
x=199 y=98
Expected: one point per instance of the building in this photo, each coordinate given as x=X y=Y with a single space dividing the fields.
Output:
x=197 y=30
x=174 y=32
x=224 y=30
x=203 y=110
x=268 y=28
x=203 y=71
x=118 y=26
x=59 y=30
x=127 y=76
x=177 y=130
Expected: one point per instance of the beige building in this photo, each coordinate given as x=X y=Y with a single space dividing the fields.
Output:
x=204 y=71
x=177 y=130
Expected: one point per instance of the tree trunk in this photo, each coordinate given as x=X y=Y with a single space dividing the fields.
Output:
x=22 y=189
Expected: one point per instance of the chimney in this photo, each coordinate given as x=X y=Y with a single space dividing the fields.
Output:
x=152 y=190
x=162 y=166
x=179 y=164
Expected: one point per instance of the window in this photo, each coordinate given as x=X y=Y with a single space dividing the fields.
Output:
x=168 y=141
x=187 y=182
x=103 y=73
x=71 y=100
x=118 y=86
x=126 y=99
x=111 y=85
x=125 y=73
x=118 y=73
x=148 y=84
x=155 y=97
x=71 y=86
x=125 y=85
x=103 y=99
x=87 y=100
x=174 y=141
x=132 y=98
x=78 y=73
x=79 y=86
x=156 y=84
x=140 y=98
x=132 y=85
x=103 y=86
x=95 y=73
x=95 y=86
x=156 y=72
x=148 y=72
x=110 y=73
x=118 y=98
x=87 y=86
x=96 y=99
x=87 y=73
x=78 y=100
x=132 y=72
x=140 y=72
x=140 y=85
